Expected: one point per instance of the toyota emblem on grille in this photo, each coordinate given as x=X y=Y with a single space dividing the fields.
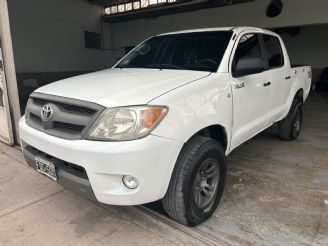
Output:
x=46 y=112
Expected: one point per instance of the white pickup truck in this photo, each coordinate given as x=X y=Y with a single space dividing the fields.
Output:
x=160 y=123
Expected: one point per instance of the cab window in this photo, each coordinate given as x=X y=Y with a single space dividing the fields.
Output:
x=248 y=46
x=274 y=51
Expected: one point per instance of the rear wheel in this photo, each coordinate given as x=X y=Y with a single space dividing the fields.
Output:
x=197 y=181
x=290 y=127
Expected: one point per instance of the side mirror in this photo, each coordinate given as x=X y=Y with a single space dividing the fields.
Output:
x=249 y=65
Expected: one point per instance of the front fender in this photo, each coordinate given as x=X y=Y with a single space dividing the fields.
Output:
x=195 y=106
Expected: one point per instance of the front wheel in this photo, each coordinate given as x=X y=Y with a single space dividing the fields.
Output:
x=197 y=181
x=290 y=127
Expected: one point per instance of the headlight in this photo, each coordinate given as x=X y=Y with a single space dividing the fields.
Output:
x=126 y=123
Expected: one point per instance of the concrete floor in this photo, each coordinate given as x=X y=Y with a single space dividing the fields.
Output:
x=276 y=194
x=37 y=211
x=277 y=191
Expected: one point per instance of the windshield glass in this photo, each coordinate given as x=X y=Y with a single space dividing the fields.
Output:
x=202 y=51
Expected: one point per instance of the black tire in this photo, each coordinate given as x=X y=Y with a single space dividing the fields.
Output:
x=186 y=183
x=290 y=127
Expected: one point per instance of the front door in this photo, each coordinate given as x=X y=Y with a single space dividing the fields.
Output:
x=5 y=120
x=251 y=94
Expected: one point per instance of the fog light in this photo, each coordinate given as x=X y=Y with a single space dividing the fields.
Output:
x=130 y=181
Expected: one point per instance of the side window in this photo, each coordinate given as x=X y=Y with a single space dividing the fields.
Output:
x=248 y=46
x=274 y=50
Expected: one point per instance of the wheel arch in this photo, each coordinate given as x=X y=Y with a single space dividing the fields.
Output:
x=300 y=95
x=217 y=132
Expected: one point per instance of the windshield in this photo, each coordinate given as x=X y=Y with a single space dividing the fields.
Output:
x=202 y=51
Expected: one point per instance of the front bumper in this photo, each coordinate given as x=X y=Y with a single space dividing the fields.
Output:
x=151 y=160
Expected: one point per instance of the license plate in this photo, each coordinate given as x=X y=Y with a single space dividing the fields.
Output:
x=46 y=167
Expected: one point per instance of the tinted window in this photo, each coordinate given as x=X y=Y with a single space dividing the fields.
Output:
x=248 y=46
x=273 y=48
x=201 y=51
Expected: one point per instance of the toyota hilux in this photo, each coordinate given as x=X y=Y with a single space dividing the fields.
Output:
x=159 y=124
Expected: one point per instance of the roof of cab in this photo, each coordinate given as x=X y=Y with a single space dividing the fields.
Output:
x=201 y=30
x=238 y=29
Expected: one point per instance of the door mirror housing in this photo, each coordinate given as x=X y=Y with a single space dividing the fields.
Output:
x=249 y=65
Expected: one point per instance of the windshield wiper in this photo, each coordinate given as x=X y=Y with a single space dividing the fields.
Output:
x=163 y=66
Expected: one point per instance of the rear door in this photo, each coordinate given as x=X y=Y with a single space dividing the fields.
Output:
x=5 y=120
x=250 y=93
x=280 y=76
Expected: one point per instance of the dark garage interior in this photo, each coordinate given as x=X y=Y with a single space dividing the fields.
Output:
x=276 y=192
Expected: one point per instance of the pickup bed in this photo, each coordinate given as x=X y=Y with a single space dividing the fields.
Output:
x=160 y=123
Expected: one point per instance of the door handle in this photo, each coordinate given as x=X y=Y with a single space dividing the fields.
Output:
x=267 y=84
x=288 y=77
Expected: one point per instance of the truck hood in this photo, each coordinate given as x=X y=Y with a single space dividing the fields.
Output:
x=122 y=87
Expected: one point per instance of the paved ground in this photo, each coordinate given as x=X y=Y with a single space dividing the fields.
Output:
x=36 y=211
x=277 y=194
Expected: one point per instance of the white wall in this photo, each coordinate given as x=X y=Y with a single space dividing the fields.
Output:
x=9 y=85
x=48 y=35
x=304 y=49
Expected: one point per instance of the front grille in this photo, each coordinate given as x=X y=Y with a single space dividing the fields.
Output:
x=70 y=118
x=35 y=118
x=68 y=127
x=67 y=107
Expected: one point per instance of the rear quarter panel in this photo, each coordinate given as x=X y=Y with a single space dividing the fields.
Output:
x=301 y=79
